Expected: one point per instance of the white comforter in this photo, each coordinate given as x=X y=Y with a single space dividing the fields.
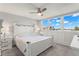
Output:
x=32 y=39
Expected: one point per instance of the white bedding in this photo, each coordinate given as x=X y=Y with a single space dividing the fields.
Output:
x=32 y=39
x=37 y=44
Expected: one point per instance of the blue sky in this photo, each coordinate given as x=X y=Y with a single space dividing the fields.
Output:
x=72 y=21
x=69 y=22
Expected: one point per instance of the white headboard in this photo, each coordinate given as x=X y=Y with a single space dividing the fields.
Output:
x=20 y=29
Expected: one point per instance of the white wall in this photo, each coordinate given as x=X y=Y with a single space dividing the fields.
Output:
x=62 y=37
x=15 y=19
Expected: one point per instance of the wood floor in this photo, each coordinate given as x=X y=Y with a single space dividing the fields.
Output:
x=57 y=50
x=61 y=50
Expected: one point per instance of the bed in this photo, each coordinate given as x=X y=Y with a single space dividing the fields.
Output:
x=33 y=45
x=29 y=42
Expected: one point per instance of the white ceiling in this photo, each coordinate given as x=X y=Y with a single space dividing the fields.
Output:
x=53 y=9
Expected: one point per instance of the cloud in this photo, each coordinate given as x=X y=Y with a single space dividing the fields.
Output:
x=57 y=20
x=76 y=14
x=57 y=24
x=66 y=22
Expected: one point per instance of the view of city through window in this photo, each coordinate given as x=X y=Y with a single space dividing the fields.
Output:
x=71 y=22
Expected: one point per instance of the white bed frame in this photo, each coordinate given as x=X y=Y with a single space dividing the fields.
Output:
x=34 y=49
x=29 y=48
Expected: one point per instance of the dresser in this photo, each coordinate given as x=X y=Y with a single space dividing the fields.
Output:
x=5 y=44
x=5 y=39
x=0 y=34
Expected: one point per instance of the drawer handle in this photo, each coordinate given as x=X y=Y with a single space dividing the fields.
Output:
x=4 y=46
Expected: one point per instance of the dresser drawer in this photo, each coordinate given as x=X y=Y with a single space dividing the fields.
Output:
x=4 y=48
x=4 y=44
x=0 y=43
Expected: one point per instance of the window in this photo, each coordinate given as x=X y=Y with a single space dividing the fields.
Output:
x=45 y=23
x=71 y=22
x=53 y=23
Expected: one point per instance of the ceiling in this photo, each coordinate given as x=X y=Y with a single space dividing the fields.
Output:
x=53 y=9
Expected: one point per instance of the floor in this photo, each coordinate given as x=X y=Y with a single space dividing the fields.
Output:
x=60 y=50
x=57 y=50
x=12 y=52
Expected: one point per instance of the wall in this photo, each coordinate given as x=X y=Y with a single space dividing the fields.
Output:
x=62 y=37
x=15 y=19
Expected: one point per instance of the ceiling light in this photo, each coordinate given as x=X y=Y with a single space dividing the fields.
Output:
x=39 y=14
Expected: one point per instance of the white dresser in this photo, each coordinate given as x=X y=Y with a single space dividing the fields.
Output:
x=5 y=44
x=0 y=48
x=5 y=38
x=0 y=34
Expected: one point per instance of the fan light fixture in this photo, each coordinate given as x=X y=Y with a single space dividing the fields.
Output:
x=39 y=14
x=39 y=11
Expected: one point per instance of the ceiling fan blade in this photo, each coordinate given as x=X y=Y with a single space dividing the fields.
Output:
x=33 y=12
x=38 y=10
x=43 y=9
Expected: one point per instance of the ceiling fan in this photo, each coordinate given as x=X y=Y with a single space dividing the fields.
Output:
x=39 y=11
